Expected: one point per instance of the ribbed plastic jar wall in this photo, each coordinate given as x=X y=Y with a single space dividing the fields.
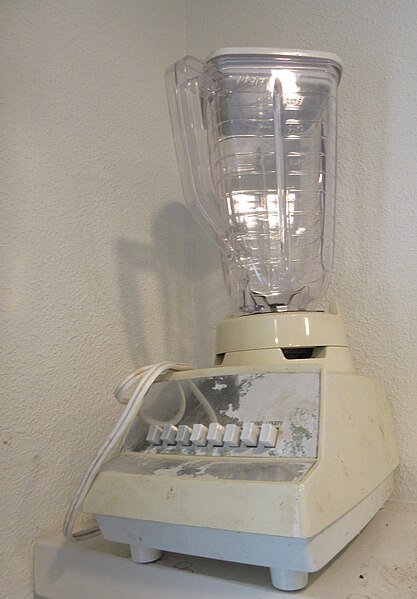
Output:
x=271 y=132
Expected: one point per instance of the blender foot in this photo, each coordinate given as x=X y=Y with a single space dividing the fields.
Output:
x=144 y=555
x=288 y=580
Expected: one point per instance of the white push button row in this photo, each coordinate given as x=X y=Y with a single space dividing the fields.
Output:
x=231 y=435
x=250 y=434
x=183 y=435
x=169 y=432
x=215 y=434
x=154 y=435
x=199 y=435
x=268 y=435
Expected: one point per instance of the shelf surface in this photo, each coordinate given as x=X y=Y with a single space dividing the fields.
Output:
x=380 y=563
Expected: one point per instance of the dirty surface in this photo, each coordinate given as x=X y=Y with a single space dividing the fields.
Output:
x=276 y=470
x=288 y=400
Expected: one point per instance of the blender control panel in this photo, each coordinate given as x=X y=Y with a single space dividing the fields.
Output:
x=251 y=415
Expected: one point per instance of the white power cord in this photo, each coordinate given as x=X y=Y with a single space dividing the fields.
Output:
x=205 y=404
x=149 y=419
x=203 y=401
x=146 y=375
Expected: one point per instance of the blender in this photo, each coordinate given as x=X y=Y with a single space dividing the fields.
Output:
x=280 y=453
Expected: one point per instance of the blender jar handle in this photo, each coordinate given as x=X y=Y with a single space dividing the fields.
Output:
x=189 y=85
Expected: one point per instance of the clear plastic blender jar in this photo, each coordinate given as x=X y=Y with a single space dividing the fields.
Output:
x=255 y=133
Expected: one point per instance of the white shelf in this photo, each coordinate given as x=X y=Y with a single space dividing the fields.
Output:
x=381 y=563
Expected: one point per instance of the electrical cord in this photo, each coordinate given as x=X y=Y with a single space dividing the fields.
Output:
x=203 y=401
x=175 y=419
x=149 y=419
x=205 y=404
x=146 y=376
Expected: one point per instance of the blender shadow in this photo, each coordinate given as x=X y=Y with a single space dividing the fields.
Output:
x=156 y=281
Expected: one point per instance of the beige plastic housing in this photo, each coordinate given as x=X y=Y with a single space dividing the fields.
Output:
x=259 y=339
x=356 y=452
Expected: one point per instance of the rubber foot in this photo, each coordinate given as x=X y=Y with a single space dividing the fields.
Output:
x=144 y=555
x=288 y=580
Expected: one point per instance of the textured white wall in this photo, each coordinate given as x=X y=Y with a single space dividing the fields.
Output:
x=94 y=258
x=375 y=272
x=95 y=268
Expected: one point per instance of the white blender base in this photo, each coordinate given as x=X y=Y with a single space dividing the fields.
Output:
x=289 y=558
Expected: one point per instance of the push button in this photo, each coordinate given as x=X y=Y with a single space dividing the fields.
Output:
x=183 y=435
x=169 y=432
x=215 y=434
x=250 y=434
x=231 y=435
x=154 y=435
x=199 y=435
x=268 y=436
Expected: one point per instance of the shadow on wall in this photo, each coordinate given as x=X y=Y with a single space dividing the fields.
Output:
x=156 y=282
